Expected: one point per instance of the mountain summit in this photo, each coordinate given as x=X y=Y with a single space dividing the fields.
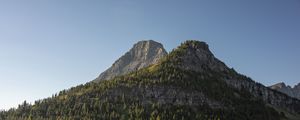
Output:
x=198 y=57
x=293 y=92
x=142 y=54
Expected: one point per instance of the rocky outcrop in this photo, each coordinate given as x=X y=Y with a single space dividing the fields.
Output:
x=286 y=89
x=143 y=54
x=198 y=57
x=166 y=95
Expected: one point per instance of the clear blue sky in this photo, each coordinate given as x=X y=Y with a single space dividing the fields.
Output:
x=50 y=45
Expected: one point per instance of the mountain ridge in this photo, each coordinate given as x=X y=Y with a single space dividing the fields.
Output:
x=172 y=88
x=286 y=89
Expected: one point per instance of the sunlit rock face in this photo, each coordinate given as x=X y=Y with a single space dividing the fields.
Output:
x=142 y=54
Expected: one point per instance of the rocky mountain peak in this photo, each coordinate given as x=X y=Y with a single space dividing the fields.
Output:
x=198 y=57
x=142 y=54
x=148 y=51
x=278 y=85
x=282 y=87
x=194 y=44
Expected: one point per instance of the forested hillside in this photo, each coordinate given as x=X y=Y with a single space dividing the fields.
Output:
x=164 y=91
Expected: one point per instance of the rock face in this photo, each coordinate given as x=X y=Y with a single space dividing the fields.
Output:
x=199 y=58
x=143 y=54
x=293 y=92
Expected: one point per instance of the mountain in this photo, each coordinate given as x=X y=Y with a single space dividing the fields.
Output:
x=293 y=92
x=198 y=58
x=143 y=54
x=188 y=83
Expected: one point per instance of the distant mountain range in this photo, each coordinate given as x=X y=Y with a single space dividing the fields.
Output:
x=291 y=91
x=148 y=83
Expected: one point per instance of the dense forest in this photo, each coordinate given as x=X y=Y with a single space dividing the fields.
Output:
x=162 y=91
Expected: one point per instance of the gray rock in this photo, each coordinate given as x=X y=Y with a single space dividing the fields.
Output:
x=199 y=58
x=143 y=54
x=293 y=92
x=296 y=91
